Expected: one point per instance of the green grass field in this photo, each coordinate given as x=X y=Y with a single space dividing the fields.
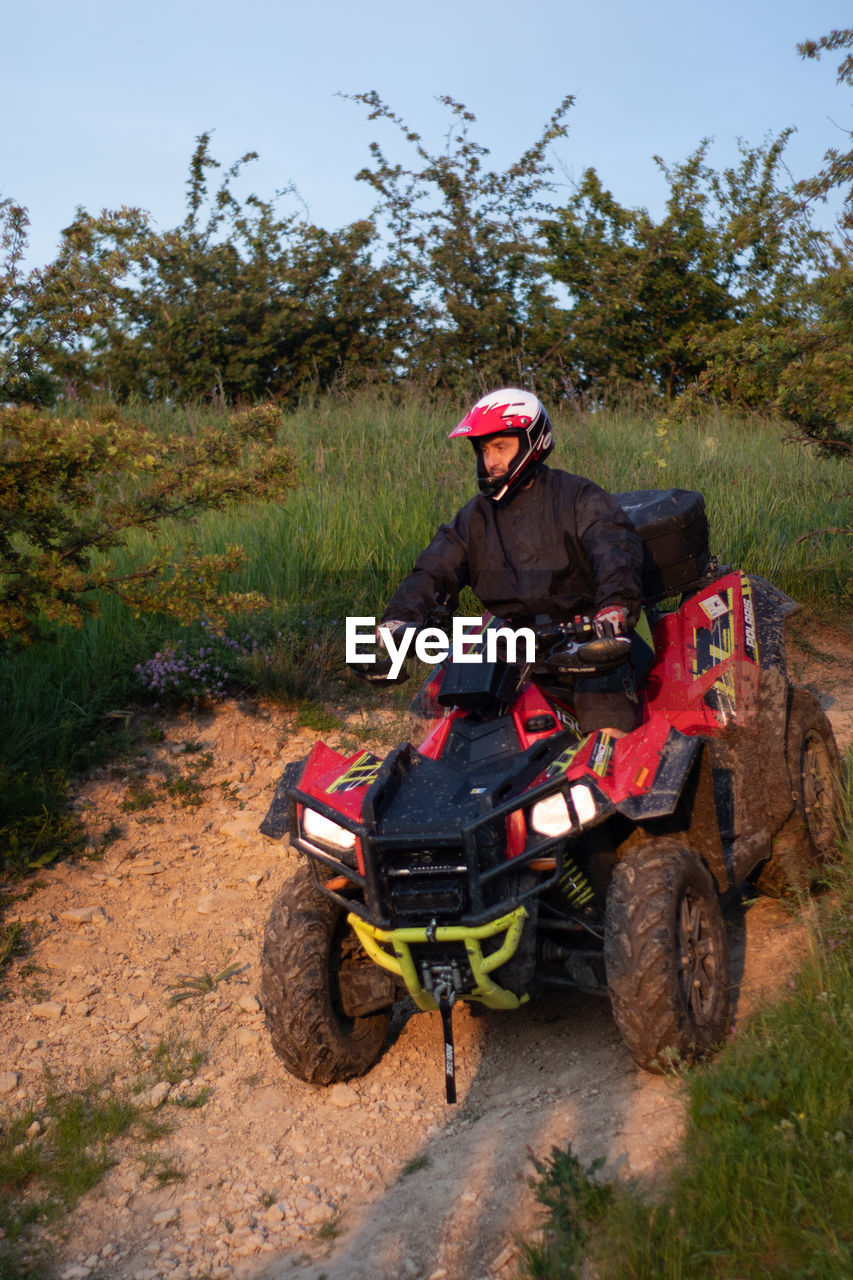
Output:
x=376 y=478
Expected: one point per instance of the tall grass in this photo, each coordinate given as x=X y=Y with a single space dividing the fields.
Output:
x=375 y=480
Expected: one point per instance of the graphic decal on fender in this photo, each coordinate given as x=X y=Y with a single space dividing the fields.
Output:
x=716 y=606
x=564 y=760
x=361 y=773
x=750 y=635
x=601 y=755
x=713 y=645
x=566 y=719
x=477 y=643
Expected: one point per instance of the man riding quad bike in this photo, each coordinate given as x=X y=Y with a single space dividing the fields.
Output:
x=515 y=847
x=534 y=541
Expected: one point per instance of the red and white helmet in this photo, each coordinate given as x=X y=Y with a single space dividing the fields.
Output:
x=511 y=412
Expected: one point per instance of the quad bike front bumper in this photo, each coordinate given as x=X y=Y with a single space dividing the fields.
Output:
x=446 y=957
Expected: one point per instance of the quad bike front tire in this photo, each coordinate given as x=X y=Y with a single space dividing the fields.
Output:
x=309 y=951
x=666 y=956
x=808 y=839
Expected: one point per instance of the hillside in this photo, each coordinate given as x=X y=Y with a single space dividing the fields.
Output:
x=268 y=1176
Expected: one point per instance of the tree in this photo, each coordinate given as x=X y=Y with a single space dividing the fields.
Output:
x=238 y=302
x=639 y=291
x=793 y=353
x=18 y=377
x=50 y=316
x=838 y=170
x=73 y=491
x=463 y=239
x=650 y=299
x=244 y=302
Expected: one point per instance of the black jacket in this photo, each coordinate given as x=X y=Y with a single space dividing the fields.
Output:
x=561 y=546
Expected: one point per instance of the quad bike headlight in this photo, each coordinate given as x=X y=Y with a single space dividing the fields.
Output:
x=551 y=817
x=326 y=831
x=584 y=803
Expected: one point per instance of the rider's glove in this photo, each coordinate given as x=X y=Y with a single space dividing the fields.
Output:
x=377 y=669
x=394 y=626
x=611 y=620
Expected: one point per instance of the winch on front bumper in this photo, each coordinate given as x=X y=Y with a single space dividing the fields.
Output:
x=446 y=958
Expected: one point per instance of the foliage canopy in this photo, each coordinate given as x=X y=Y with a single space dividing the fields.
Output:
x=72 y=491
x=464 y=276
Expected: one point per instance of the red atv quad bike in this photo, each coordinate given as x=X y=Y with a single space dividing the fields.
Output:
x=509 y=851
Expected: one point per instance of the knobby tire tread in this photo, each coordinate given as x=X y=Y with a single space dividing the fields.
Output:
x=313 y=1039
x=798 y=851
x=641 y=955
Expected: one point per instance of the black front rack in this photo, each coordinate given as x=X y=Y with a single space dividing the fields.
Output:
x=467 y=877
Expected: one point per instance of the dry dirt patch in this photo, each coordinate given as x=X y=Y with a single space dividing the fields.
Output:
x=271 y=1177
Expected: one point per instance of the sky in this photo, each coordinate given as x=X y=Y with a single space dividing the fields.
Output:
x=102 y=100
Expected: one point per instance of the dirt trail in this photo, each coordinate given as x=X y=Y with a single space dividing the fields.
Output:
x=377 y=1178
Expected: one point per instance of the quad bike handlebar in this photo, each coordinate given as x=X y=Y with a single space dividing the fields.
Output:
x=601 y=654
x=575 y=648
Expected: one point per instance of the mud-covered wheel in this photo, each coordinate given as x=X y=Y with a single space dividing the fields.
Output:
x=807 y=839
x=666 y=956
x=312 y=970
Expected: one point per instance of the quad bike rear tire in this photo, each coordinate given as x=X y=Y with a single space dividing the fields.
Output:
x=308 y=949
x=666 y=956
x=808 y=839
